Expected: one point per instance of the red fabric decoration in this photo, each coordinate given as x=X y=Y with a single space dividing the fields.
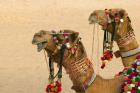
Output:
x=103 y=66
x=54 y=88
x=107 y=56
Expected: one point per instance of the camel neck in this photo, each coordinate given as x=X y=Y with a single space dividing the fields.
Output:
x=132 y=49
x=132 y=45
x=80 y=72
x=79 y=68
x=127 y=42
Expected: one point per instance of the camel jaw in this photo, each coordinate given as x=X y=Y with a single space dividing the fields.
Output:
x=40 y=45
x=92 y=20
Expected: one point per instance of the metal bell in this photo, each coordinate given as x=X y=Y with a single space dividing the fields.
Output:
x=121 y=20
x=68 y=45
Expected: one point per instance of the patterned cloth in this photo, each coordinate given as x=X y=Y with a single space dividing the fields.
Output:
x=132 y=78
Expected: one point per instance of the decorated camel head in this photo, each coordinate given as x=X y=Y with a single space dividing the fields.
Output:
x=66 y=49
x=53 y=41
x=107 y=17
x=116 y=22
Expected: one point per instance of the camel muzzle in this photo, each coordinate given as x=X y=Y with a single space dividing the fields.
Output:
x=40 y=45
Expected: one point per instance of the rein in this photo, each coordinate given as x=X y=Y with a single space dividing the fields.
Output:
x=115 y=18
x=59 y=73
x=109 y=38
x=55 y=87
x=108 y=44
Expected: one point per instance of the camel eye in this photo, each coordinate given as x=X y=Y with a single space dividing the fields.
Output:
x=94 y=14
x=42 y=32
x=38 y=35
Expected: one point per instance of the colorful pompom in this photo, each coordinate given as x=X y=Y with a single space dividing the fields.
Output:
x=54 y=88
x=132 y=80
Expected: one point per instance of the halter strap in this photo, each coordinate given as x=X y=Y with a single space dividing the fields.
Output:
x=59 y=73
x=88 y=84
x=89 y=81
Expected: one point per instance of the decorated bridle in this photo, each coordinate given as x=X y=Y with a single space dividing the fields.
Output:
x=109 y=38
x=55 y=87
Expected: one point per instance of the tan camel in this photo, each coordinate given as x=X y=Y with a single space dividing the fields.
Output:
x=76 y=63
x=125 y=37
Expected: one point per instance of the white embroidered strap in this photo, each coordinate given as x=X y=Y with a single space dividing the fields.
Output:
x=130 y=53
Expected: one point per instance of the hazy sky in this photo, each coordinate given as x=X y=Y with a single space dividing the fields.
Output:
x=22 y=68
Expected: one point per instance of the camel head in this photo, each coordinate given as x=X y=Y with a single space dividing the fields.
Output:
x=52 y=40
x=105 y=18
x=98 y=16
x=42 y=39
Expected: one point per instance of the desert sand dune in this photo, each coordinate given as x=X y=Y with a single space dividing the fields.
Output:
x=22 y=68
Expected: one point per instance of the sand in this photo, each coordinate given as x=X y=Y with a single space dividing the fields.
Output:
x=22 y=68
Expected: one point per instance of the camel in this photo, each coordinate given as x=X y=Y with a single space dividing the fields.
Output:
x=76 y=63
x=124 y=37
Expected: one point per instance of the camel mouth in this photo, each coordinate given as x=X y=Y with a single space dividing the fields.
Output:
x=40 y=45
x=91 y=22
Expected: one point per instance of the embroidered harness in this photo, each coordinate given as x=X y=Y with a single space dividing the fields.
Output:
x=126 y=39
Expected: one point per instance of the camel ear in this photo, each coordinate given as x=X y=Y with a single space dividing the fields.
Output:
x=74 y=36
x=122 y=13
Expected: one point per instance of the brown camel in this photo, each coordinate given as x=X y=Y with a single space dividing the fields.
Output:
x=76 y=63
x=125 y=37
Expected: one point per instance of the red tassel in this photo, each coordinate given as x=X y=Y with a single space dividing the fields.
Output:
x=58 y=84
x=103 y=66
x=54 y=88
x=59 y=89
x=49 y=88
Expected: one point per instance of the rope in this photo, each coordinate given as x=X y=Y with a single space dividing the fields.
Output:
x=98 y=44
x=62 y=51
x=92 y=51
x=114 y=31
x=46 y=59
